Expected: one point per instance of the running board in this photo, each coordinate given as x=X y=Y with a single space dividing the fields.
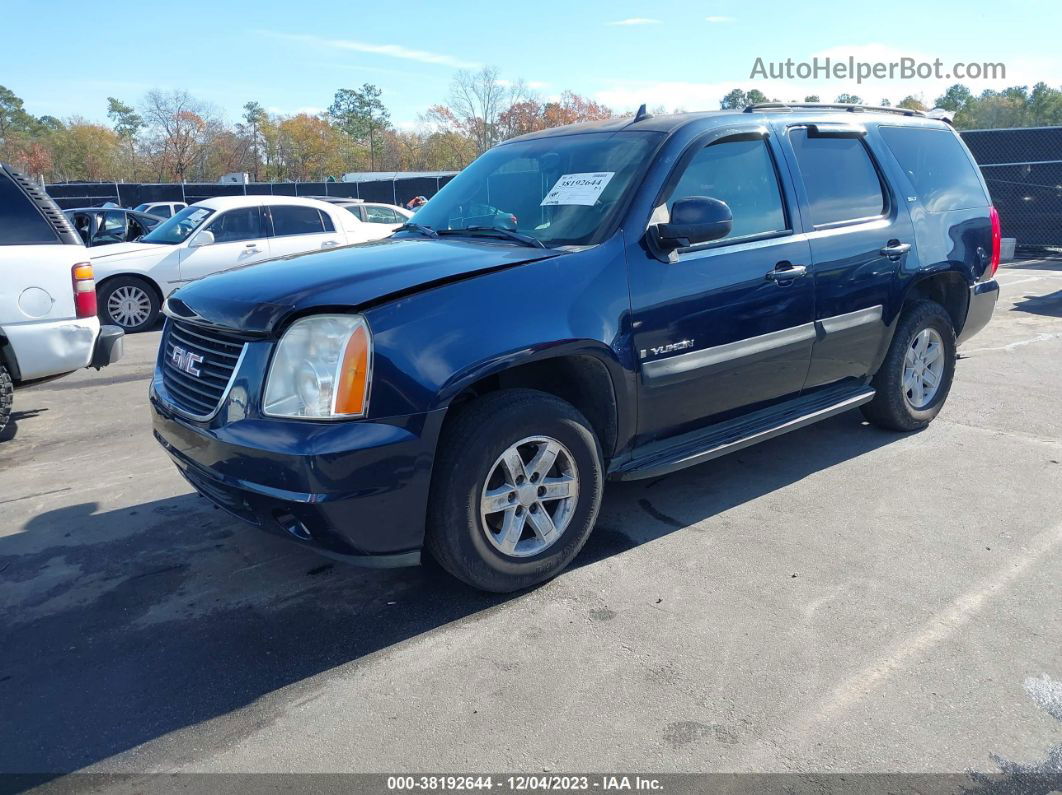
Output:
x=702 y=445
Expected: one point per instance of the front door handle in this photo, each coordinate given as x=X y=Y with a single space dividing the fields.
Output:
x=786 y=272
x=894 y=249
x=329 y=244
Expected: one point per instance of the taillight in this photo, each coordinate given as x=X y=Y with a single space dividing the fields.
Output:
x=84 y=290
x=997 y=238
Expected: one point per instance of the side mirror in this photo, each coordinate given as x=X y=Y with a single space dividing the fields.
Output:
x=694 y=219
x=204 y=238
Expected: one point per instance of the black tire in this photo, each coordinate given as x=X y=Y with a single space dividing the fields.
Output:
x=471 y=444
x=891 y=407
x=108 y=289
x=7 y=396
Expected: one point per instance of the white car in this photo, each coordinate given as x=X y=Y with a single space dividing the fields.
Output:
x=160 y=209
x=211 y=236
x=386 y=217
x=48 y=323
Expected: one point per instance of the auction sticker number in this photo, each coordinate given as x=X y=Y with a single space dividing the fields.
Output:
x=578 y=188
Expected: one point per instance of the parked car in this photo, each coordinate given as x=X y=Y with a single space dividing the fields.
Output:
x=98 y=226
x=48 y=323
x=676 y=288
x=211 y=236
x=383 y=218
x=160 y=209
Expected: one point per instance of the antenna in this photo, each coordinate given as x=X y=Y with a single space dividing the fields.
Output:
x=642 y=114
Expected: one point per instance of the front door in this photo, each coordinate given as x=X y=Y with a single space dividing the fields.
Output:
x=239 y=239
x=728 y=326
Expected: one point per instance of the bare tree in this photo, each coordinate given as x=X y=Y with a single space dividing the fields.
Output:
x=477 y=99
x=179 y=125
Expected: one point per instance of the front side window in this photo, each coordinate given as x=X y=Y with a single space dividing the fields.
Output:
x=20 y=223
x=233 y=226
x=742 y=174
x=841 y=181
x=562 y=190
x=939 y=168
x=296 y=220
x=180 y=227
x=112 y=227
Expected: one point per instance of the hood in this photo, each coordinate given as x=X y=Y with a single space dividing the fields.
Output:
x=255 y=298
x=122 y=249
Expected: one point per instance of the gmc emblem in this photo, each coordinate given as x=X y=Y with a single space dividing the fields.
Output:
x=185 y=361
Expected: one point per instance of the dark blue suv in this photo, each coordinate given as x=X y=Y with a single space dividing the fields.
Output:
x=617 y=299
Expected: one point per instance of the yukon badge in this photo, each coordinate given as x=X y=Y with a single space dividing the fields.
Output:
x=185 y=361
x=671 y=347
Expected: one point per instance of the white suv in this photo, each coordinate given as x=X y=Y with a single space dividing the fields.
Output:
x=211 y=236
x=48 y=323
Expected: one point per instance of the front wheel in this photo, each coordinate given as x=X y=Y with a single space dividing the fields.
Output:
x=129 y=302
x=516 y=490
x=915 y=378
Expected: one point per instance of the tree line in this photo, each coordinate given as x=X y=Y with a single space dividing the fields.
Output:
x=171 y=136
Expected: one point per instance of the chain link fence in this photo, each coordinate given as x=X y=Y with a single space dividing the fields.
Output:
x=1023 y=170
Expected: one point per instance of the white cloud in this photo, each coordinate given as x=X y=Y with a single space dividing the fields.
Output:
x=718 y=20
x=634 y=21
x=388 y=50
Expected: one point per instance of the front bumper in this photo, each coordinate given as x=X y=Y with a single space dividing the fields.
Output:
x=983 y=297
x=354 y=490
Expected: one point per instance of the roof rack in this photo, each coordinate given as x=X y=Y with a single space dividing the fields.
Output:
x=831 y=106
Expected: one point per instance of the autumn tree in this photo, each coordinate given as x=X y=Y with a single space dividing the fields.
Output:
x=911 y=102
x=477 y=99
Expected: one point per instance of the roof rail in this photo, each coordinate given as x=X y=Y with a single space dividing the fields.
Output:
x=831 y=106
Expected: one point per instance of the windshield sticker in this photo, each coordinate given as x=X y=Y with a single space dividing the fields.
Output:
x=578 y=188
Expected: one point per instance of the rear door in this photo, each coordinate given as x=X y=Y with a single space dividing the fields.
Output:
x=298 y=228
x=861 y=235
x=239 y=239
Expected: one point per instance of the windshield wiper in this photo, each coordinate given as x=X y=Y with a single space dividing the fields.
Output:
x=427 y=231
x=508 y=234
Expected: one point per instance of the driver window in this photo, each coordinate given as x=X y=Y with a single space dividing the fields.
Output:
x=742 y=174
x=112 y=227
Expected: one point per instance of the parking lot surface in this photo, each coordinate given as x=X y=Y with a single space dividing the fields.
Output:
x=838 y=599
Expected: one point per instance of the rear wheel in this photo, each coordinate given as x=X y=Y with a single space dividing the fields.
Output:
x=129 y=302
x=915 y=378
x=516 y=491
x=7 y=394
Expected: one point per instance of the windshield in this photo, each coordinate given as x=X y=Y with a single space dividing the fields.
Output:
x=141 y=207
x=177 y=229
x=561 y=190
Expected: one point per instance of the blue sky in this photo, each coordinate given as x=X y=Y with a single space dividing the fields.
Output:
x=293 y=56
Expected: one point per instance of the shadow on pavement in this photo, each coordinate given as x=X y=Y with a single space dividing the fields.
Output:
x=1050 y=304
x=120 y=627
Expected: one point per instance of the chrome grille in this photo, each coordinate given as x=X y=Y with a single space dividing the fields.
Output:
x=198 y=389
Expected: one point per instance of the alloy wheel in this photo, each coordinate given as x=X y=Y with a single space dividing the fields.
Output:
x=529 y=497
x=923 y=368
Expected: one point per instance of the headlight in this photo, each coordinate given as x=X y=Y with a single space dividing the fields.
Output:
x=321 y=369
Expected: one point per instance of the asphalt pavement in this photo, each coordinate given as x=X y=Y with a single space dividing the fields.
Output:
x=838 y=599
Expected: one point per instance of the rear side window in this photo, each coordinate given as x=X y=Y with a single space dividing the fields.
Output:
x=839 y=176
x=939 y=169
x=233 y=226
x=326 y=219
x=296 y=220
x=742 y=174
x=20 y=223
x=380 y=215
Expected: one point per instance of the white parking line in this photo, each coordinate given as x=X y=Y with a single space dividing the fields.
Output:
x=1011 y=346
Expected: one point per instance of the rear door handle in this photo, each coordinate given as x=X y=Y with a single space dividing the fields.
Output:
x=329 y=244
x=786 y=272
x=894 y=249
